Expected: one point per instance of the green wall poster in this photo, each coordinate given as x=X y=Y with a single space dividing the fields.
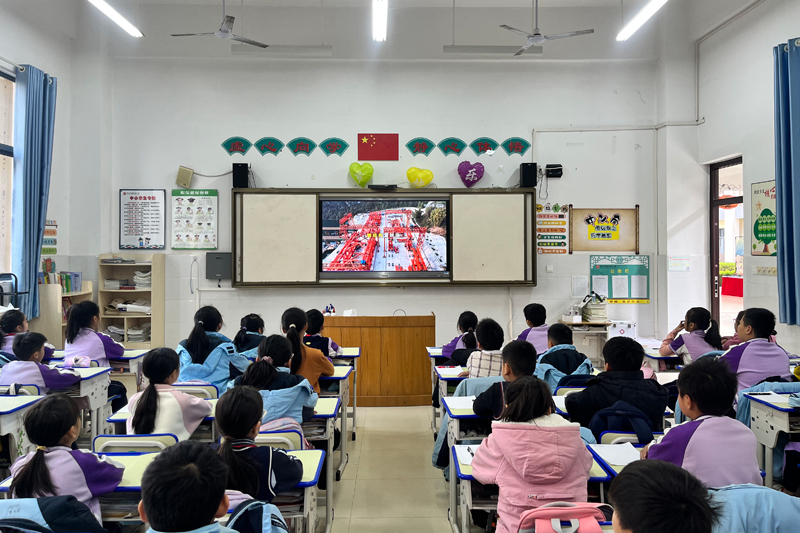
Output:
x=763 y=214
x=624 y=279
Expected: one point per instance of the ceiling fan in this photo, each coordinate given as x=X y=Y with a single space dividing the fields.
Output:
x=536 y=38
x=225 y=32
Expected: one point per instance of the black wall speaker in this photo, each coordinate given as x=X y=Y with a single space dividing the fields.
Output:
x=528 y=175
x=240 y=175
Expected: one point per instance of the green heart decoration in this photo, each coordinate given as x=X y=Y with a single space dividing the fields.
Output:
x=361 y=174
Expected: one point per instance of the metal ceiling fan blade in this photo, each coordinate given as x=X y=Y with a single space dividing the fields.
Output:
x=191 y=34
x=227 y=24
x=515 y=30
x=525 y=48
x=567 y=34
x=245 y=40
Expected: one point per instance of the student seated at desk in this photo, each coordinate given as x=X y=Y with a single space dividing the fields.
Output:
x=536 y=334
x=13 y=322
x=488 y=359
x=730 y=342
x=757 y=359
x=250 y=335
x=208 y=355
x=29 y=348
x=83 y=340
x=260 y=471
x=659 y=497
x=160 y=408
x=717 y=449
x=519 y=359
x=457 y=351
x=54 y=469
x=314 y=338
x=183 y=490
x=534 y=455
x=271 y=372
x=306 y=361
x=561 y=358
x=701 y=336
x=622 y=380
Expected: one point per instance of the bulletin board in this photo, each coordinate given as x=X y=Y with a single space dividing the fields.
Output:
x=763 y=214
x=604 y=230
x=552 y=233
x=624 y=279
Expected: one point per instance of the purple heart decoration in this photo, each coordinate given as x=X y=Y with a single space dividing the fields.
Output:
x=470 y=174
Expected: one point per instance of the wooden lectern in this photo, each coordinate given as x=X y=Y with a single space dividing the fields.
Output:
x=393 y=369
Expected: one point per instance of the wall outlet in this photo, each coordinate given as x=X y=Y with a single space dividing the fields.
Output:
x=549 y=269
x=766 y=271
x=586 y=340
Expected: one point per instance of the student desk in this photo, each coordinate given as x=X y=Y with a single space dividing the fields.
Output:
x=93 y=386
x=129 y=364
x=768 y=418
x=58 y=355
x=352 y=355
x=342 y=375
x=327 y=409
x=668 y=376
x=652 y=359
x=433 y=354
x=12 y=413
x=122 y=416
x=444 y=382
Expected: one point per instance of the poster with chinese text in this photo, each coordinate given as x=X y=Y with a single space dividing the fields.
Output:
x=194 y=219
x=142 y=219
x=763 y=216
x=623 y=279
x=551 y=228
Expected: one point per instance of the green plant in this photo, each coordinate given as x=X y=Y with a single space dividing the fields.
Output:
x=727 y=269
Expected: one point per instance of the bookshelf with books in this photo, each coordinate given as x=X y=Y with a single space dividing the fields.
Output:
x=53 y=304
x=131 y=298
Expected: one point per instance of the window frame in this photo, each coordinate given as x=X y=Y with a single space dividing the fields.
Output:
x=4 y=148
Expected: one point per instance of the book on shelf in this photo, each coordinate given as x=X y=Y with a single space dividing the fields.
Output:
x=69 y=281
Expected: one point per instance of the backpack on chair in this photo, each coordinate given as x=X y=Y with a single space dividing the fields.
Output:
x=256 y=516
x=583 y=518
x=622 y=417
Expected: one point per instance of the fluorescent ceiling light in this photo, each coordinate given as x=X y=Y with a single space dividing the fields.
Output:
x=641 y=17
x=380 y=17
x=489 y=51
x=114 y=15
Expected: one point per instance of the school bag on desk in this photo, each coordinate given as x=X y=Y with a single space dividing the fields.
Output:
x=583 y=518
x=50 y=514
x=622 y=417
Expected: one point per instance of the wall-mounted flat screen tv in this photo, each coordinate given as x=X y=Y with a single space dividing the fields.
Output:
x=381 y=238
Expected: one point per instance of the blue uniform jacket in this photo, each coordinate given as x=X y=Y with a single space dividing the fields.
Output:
x=216 y=369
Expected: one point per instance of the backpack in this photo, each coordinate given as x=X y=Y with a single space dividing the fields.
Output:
x=51 y=514
x=255 y=516
x=583 y=518
x=621 y=417
x=575 y=380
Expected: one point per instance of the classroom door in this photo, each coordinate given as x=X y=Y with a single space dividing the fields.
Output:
x=727 y=242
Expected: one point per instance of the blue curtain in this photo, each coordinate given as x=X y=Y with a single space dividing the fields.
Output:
x=34 y=118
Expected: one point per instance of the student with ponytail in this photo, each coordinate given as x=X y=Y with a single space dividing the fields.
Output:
x=259 y=471
x=160 y=408
x=13 y=322
x=207 y=355
x=249 y=336
x=458 y=350
x=701 y=336
x=54 y=469
x=306 y=361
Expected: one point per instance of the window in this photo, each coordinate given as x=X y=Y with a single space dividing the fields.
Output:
x=6 y=167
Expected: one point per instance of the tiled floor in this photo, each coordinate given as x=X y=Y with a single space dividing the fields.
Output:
x=389 y=484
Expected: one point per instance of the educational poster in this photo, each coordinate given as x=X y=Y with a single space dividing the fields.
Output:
x=194 y=219
x=604 y=230
x=142 y=222
x=763 y=216
x=551 y=228
x=50 y=240
x=623 y=279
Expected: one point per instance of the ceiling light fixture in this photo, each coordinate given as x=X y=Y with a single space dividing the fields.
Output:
x=380 y=19
x=641 y=17
x=114 y=15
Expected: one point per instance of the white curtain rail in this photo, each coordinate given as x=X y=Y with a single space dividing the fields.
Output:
x=20 y=67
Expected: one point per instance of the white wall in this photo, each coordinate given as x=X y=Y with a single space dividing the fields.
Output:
x=736 y=77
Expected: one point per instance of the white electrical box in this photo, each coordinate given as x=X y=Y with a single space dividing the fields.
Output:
x=622 y=329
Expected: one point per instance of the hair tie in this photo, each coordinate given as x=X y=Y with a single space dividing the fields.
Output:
x=292 y=326
x=774 y=332
x=43 y=448
x=228 y=438
x=200 y=322
x=268 y=359
x=244 y=328
x=470 y=329
x=709 y=327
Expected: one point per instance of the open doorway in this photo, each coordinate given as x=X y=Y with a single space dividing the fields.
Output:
x=727 y=243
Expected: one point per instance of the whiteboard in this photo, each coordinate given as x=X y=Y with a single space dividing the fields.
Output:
x=489 y=238
x=278 y=244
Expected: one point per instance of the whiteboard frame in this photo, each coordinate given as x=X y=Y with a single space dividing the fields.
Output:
x=530 y=256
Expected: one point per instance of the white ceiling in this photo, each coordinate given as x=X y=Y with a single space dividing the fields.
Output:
x=395 y=3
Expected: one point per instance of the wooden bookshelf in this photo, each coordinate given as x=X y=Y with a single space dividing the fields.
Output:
x=155 y=293
x=50 y=322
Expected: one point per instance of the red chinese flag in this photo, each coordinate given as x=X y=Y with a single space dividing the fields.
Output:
x=378 y=147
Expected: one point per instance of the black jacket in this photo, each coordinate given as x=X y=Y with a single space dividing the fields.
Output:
x=251 y=341
x=277 y=470
x=565 y=360
x=491 y=402
x=611 y=387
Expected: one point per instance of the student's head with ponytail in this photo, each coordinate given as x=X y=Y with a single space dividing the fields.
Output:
x=238 y=416
x=467 y=322
x=528 y=398
x=293 y=324
x=251 y=323
x=699 y=318
x=85 y=314
x=13 y=321
x=206 y=319
x=161 y=367
x=54 y=421
x=274 y=352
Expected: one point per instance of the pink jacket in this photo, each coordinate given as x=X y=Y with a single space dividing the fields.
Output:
x=534 y=463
